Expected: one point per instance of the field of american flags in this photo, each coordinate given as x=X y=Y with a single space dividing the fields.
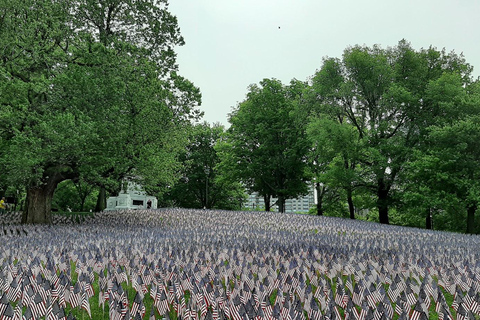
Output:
x=205 y=264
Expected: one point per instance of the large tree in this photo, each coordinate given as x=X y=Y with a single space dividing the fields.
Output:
x=384 y=94
x=89 y=88
x=202 y=183
x=334 y=158
x=266 y=146
x=422 y=188
x=335 y=143
x=447 y=173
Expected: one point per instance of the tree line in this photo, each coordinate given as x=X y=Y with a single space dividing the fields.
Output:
x=392 y=131
x=90 y=95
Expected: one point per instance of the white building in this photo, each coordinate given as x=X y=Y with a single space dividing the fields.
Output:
x=302 y=204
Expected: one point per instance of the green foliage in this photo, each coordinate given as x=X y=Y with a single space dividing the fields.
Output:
x=373 y=108
x=76 y=196
x=447 y=175
x=334 y=158
x=91 y=93
x=90 y=90
x=265 y=147
x=203 y=183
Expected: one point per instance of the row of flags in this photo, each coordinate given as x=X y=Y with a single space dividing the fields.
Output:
x=237 y=265
x=11 y=219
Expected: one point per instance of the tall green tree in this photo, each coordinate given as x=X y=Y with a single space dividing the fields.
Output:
x=384 y=94
x=202 y=183
x=334 y=156
x=265 y=146
x=335 y=144
x=90 y=88
x=455 y=100
x=448 y=171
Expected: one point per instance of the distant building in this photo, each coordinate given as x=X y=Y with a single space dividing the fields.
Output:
x=302 y=204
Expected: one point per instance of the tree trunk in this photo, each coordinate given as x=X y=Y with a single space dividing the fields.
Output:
x=471 y=219
x=320 y=189
x=206 y=193
x=82 y=204
x=351 y=208
x=266 y=200
x=428 y=219
x=382 y=212
x=39 y=204
x=281 y=204
x=101 y=200
x=319 y=208
x=382 y=202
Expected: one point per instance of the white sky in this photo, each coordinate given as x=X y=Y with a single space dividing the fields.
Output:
x=231 y=44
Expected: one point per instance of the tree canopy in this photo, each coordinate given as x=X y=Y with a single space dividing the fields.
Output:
x=390 y=96
x=202 y=178
x=265 y=146
x=90 y=89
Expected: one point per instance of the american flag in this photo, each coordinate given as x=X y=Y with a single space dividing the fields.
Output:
x=137 y=306
x=229 y=264
x=18 y=311
x=161 y=301
x=38 y=306
x=8 y=313
x=444 y=313
x=14 y=292
x=4 y=303
x=28 y=315
x=85 y=304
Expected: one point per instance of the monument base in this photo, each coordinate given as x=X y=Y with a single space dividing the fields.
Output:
x=133 y=198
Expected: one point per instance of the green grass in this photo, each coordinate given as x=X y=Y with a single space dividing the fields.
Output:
x=103 y=313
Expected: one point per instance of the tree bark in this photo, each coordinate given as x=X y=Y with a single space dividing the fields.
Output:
x=471 y=219
x=320 y=192
x=382 y=202
x=281 y=204
x=428 y=219
x=351 y=208
x=38 y=207
x=101 y=200
x=266 y=200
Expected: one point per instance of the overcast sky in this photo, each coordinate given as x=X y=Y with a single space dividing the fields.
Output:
x=231 y=44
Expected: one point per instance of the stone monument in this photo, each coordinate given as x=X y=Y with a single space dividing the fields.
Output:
x=133 y=198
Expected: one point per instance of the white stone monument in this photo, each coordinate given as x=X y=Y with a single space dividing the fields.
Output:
x=133 y=198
